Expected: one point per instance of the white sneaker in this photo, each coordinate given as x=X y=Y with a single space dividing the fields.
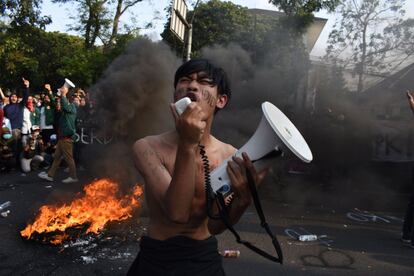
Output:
x=70 y=180
x=45 y=176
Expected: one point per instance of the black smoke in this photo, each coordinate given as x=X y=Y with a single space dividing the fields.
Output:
x=134 y=93
x=131 y=101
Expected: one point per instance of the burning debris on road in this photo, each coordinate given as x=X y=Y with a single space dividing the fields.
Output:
x=88 y=213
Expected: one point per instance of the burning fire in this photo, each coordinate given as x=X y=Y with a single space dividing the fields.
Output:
x=98 y=206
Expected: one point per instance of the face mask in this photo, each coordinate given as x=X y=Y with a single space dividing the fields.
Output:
x=7 y=136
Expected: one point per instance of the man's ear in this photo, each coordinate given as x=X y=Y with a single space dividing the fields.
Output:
x=222 y=101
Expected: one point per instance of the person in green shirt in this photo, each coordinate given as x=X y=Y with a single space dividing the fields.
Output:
x=66 y=131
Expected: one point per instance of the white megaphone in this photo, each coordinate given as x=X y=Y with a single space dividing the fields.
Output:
x=275 y=133
x=68 y=84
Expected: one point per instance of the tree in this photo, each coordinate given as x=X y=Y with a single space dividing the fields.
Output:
x=215 y=22
x=301 y=11
x=24 y=12
x=16 y=60
x=218 y=22
x=50 y=57
x=99 y=19
x=121 y=7
x=91 y=21
x=40 y=57
x=360 y=42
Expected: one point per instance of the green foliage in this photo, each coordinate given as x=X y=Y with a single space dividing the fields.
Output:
x=24 y=12
x=302 y=7
x=300 y=12
x=218 y=22
x=215 y=22
x=49 y=57
x=98 y=20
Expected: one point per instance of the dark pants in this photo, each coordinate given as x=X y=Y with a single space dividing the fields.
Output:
x=17 y=145
x=77 y=152
x=408 y=229
x=178 y=256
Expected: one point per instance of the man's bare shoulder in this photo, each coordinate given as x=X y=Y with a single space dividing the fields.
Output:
x=154 y=142
x=226 y=149
x=152 y=152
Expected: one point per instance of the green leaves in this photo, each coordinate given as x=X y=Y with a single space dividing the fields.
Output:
x=304 y=8
x=24 y=12
x=215 y=22
x=49 y=57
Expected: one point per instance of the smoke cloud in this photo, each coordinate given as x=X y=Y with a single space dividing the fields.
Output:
x=134 y=93
x=132 y=101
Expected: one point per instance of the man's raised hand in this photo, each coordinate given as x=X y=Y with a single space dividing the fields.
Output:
x=409 y=96
x=47 y=87
x=26 y=82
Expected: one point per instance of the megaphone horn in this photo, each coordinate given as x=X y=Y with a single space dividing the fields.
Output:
x=275 y=132
x=68 y=84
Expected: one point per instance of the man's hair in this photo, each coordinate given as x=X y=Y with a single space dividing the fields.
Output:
x=217 y=74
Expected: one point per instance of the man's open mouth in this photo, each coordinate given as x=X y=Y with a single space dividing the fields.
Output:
x=192 y=97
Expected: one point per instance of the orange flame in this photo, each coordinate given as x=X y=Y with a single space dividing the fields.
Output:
x=96 y=208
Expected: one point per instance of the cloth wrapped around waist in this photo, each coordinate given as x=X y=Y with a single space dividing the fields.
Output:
x=178 y=256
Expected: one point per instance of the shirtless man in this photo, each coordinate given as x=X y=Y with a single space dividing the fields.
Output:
x=180 y=237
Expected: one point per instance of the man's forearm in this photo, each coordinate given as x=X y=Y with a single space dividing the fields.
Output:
x=25 y=96
x=412 y=105
x=181 y=190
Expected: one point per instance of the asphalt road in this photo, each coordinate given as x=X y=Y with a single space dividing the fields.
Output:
x=355 y=236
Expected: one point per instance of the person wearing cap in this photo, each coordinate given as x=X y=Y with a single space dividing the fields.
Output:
x=32 y=154
x=66 y=131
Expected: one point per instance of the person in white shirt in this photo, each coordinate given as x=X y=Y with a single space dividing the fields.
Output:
x=27 y=122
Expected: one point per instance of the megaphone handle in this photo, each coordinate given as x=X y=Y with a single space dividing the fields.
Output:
x=259 y=209
x=226 y=221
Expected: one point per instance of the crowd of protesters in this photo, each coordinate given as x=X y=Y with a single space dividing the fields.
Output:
x=39 y=130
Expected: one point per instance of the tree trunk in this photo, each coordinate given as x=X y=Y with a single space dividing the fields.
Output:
x=96 y=30
x=361 y=69
x=115 y=22
x=88 y=26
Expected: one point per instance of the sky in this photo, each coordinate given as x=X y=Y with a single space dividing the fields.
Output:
x=145 y=12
